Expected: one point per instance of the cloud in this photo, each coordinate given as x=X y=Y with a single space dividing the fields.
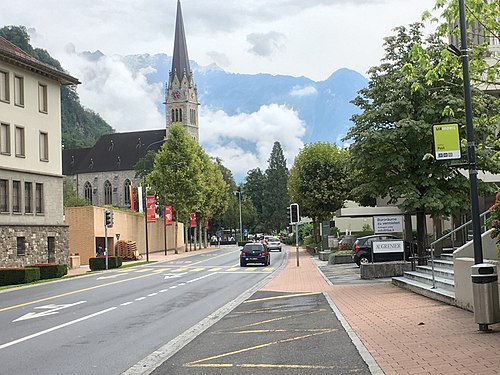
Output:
x=125 y=100
x=245 y=141
x=219 y=58
x=303 y=91
x=266 y=44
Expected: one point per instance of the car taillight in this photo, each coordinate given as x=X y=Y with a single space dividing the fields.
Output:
x=356 y=248
x=243 y=254
x=263 y=254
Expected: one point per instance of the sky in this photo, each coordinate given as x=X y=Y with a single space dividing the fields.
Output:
x=310 y=38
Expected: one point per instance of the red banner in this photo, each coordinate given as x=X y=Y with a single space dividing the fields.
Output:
x=192 y=219
x=131 y=197
x=150 y=208
x=206 y=223
x=167 y=214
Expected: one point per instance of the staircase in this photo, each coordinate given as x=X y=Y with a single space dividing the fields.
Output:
x=420 y=281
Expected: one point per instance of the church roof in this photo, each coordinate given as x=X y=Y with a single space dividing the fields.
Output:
x=112 y=152
x=14 y=55
x=180 y=60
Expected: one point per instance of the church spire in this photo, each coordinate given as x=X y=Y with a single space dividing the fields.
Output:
x=180 y=60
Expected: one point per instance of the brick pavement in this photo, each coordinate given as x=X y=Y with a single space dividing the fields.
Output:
x=405 y=333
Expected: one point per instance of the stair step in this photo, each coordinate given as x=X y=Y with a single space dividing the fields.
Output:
x=423 y=278
x=445 y=273
x=424 y=289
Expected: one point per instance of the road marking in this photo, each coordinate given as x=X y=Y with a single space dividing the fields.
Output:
x=160 y=270
x=173 y=287
x=111 y=276
x=199 y=363
x=50 y=310
x=152 y=294
x=180 y=269
x=181 y=284
x=232 y=269
x=140 y=299
x=268 y=269
x=197 y=270
x=73 y=292
x=126 y=303
x=163 y=290
x=172 y=276
x=144 y=270
x=25 y=338
x=200 y=278
x=280 y=297
x=214 y=269
x=250 y=269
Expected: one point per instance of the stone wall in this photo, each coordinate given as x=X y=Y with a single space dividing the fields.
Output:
x=36 y=245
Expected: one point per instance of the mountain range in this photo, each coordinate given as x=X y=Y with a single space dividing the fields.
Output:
x=324 y=106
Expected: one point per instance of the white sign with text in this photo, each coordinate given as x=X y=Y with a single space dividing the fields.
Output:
x=388 y=224
x=393 y=246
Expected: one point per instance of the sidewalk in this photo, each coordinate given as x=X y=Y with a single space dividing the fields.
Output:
x=405 y=333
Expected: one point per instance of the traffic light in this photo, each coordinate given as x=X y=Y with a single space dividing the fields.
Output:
x=108 y=218
x=288 y=214
x=294 y=213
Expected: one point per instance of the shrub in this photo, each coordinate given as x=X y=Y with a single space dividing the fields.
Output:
x=51 y=270
x=12 y=276
x=99 y=263
x=242 y=243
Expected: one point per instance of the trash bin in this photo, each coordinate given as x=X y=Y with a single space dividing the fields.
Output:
x=485 y=293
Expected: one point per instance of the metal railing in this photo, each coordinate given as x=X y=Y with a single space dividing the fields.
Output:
x=482 y=217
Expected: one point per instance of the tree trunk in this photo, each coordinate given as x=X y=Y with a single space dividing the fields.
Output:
x=175 y=231
x=438 y=233
x=186 y=237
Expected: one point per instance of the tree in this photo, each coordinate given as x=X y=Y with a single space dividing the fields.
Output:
x=253 y=188
x=70 y=198
x=177 y=175
x=318 y=180
x=276 y=198
x=394 y=132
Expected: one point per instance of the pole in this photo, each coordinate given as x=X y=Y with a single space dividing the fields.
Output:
x=471 y=150
x=164 y=230
x=106 y=242
x=297 y=241
x=146 y=223
x=241 y=226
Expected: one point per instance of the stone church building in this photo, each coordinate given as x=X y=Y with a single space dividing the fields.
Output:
x=103 y=173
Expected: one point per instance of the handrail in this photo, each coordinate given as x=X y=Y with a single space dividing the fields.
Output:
x=433 y=244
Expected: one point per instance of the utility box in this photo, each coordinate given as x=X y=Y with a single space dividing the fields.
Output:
x=485 y=293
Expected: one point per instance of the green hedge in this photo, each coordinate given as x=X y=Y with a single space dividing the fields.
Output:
x=99 y=263
x=12 y=276
x=51 y=270
x=243 y=243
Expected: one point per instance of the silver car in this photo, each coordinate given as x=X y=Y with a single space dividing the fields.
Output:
x=273 y=244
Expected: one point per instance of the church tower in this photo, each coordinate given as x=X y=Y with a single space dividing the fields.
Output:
x=181 y=96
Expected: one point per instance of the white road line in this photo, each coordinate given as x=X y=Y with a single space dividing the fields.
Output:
x=126 y=303
x=163 y=290
x=173 y=287
x=202 y=277
x=55 y=328
x=140 y=298
x=152 y=294
x=181 y=284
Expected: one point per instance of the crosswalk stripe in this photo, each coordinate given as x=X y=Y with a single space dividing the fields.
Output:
x=197 y=270
x=182 y=269
x=214 y=269
x=232 y=269
x=144 y=270
x=250 y=269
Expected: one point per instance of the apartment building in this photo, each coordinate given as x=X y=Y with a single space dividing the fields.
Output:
x=32 y=228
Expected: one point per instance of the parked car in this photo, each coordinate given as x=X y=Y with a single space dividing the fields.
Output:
x=274 y=244
x=254 y=252
x=362 y=249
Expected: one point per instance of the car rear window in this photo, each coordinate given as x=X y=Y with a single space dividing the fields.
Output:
x=253 y=247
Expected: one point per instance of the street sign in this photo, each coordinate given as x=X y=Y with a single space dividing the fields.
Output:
x=192 y=219
x=150 y=208
x=446 y=142
x=388 y=224
x=167 y=214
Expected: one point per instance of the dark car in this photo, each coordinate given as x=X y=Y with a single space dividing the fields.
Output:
x=362 y=249
x=254 y=253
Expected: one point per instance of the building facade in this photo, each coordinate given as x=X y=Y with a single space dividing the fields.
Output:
x=32 y=229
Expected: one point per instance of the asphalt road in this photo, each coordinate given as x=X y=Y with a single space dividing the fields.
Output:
x=105 y=323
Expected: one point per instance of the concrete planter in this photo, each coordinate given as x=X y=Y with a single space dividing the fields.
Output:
x=341 y=259
x=324 y=255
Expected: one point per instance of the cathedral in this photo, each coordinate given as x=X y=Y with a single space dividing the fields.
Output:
x=104 y=173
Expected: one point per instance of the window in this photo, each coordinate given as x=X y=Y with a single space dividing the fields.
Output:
x=87 y=190
x=19 y=140
x=42 y=98
x=4 y=196
x=4 y=86
x=21 y=246
x=39 y=198
x=5 y=139
x=19 y=91
x=180 y=115
x=16 y=196
x=108 y=193
x=44 y=146
x=126 y=192
x=28 y=197
x=173 y=116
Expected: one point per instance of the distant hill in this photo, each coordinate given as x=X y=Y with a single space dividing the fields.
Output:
x=324 y=106
x=81 y=127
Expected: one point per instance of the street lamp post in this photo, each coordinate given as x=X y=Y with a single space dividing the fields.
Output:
x=241 y=226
